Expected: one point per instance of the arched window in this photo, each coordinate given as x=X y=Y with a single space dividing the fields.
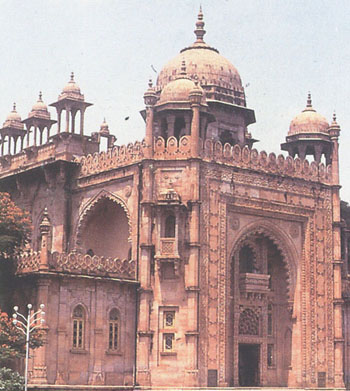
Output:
x=179 y=128
x=169 y=231
x=246 y=260
x=113 y=331
x=78 y=327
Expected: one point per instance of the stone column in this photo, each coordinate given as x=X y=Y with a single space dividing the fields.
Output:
x=195 y=98
x=150 y=99
x=67 y=119
x=59 y=115
x=39 y=375
x=44 y=251
x=82 y=113
x=145 y=335
x=334 y=132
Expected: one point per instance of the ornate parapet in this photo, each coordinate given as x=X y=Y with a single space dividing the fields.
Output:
x=77 y=263
x=115 y=157
x=212 y=151
x=252 y=159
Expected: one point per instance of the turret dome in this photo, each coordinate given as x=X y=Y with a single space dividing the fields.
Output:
x=308 y=121
x=39 y=109
x=71 y=90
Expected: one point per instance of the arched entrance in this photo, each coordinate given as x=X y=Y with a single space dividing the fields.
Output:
x=260 y=313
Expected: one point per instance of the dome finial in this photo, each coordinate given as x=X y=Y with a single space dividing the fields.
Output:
x=199 y=31
x=150 y=83
x=334 y=116
x=14 y=106
x=40 y=96
x=309 y=101
x=72 y=76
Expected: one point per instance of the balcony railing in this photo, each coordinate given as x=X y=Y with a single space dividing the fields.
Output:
x=77 y=263
x=252 y=282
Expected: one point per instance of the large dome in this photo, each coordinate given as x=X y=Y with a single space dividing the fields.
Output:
x=216 y=75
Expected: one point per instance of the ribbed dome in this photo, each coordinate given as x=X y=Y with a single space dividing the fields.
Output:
x=308 y=121
x=218 y=77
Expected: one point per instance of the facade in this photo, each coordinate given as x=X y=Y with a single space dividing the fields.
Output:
x=187 y=259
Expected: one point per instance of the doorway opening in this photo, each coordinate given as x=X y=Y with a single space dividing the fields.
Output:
x=249 y=363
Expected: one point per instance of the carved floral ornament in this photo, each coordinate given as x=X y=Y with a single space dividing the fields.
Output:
x=90 y=207
x=280 y=240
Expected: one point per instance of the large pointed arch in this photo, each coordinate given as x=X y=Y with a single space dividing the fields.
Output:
x=282 y=242
x=89 y=209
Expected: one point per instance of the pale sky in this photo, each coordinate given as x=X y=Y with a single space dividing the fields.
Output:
x=282 y=50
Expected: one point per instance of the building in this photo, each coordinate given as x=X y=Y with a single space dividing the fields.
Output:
x=187 y=259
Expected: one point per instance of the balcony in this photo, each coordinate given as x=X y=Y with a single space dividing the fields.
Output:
x=254 y=283
x=76 y=263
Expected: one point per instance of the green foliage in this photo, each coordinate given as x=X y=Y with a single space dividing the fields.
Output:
x=15 y=226
x=10 y=380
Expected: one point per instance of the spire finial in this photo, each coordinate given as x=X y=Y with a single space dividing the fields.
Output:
x=309 y=101
x=199 y=31
x=72 y=76
x=40 y=96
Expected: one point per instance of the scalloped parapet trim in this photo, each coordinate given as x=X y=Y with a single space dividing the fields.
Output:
x=77 y=263
x=212 y=151
x=117 y=156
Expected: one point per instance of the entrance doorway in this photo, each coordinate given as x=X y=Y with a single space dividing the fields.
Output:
x=249 y=360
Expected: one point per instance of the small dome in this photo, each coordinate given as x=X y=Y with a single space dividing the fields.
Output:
x=71 y=90
x=14 y=116
x=39 y=109
x=308 y=121
x=104 y=127
x=13 y=119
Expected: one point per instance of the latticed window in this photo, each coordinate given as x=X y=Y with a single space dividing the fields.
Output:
x=269 y=321
x=169 y=319
x=113 y=332
x=270 y=355
x=248 y=322
x=168 y=342
x=78 y=327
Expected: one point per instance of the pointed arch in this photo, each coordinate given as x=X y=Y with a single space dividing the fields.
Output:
x=280 y=239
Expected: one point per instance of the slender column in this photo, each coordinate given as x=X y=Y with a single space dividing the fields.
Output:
x=2 y=145
x=59 y=114
x=150 y=99
x=74 y=113
x=35 y=134
x=67 y=119
x=82 y=113
x=28 y=135
x=9 y=145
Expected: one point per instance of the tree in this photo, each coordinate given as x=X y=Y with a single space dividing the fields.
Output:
x=15 y=228
x=12 y=346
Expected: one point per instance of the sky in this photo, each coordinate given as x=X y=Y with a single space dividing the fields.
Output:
x=282 y=50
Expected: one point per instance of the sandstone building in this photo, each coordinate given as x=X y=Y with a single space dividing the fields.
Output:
x=189 y=258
